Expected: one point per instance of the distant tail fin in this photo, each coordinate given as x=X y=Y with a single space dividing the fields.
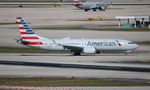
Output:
x=28 y=37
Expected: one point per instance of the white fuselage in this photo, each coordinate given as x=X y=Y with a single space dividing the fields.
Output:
x=96 y=44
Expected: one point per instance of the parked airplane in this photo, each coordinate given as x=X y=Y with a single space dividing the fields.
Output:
x=77 y=46
x=91 y=5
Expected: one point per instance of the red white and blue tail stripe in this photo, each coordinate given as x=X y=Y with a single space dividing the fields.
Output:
x=28 y=37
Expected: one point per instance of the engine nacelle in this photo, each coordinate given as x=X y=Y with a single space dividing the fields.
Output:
x=89 y=50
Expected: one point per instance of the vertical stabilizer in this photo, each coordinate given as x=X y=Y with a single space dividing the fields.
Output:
x=28 y=37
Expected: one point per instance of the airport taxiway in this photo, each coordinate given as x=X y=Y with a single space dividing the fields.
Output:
x=26 y=68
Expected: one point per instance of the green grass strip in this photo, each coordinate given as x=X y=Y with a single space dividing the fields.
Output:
x=144 y=42
x=65 y=82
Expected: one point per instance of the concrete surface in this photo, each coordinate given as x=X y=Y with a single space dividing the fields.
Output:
x=25 y=71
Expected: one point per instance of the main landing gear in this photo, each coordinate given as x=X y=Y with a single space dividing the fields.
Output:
x=76 y=53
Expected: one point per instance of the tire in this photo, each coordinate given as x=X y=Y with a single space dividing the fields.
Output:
x=85 y=10
x=77 y=54
x=100 y=8
x=98 y=52
x=94 y=10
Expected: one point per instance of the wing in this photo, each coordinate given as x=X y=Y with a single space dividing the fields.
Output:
x=73 y=48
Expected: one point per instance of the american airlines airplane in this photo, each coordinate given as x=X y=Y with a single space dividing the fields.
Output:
x=77 y=46
x=91 y=5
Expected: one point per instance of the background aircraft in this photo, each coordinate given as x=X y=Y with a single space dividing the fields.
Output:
x=77 y=46
x=91 y=5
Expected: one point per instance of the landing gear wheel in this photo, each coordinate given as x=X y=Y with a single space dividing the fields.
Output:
x=94 y=10
x=100 y=8
x=77 y=54
x=86 y=10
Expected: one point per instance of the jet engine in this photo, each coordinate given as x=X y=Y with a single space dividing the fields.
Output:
x=89 y=50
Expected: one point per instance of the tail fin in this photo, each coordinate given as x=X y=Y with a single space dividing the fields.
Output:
x=28 y=37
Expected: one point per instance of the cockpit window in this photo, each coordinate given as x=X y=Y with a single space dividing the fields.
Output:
x=131 y=43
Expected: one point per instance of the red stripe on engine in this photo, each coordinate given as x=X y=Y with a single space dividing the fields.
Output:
x=30 y=38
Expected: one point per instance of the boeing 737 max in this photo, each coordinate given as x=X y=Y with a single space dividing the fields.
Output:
x=77 y=46
x=90 y=5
